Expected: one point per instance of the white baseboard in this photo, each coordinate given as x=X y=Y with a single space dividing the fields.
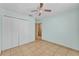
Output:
x=63 y=45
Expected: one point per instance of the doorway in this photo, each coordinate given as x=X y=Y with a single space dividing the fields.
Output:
x=38 y=31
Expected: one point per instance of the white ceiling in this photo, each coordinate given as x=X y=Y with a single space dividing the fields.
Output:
x=25 y=8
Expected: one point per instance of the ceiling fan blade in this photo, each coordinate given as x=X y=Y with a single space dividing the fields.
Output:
x=41 y=5
x=47 y=10
x=34 y=11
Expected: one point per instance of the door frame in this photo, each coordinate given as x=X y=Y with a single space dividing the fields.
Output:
x=38 y=31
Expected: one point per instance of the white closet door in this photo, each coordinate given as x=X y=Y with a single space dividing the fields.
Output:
x=9 y=33
x=14 y=39
x=25 y=31
x=17 y=32
x=0 y=32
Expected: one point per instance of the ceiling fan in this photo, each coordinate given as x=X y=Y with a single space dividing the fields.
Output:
x=40 y=9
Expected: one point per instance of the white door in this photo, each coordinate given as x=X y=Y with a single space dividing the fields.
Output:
x=0 y=32
x=25 y=31
x=9 y=33
x=16 y=32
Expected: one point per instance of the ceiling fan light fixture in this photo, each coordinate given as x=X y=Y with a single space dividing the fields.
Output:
x=41 y=9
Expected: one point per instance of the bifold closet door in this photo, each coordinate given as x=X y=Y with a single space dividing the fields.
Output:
x=25 y=31
x=0 y=32
x=9 y=33
x=16 y=32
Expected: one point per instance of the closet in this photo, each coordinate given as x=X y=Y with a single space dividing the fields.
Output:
x=15 y=32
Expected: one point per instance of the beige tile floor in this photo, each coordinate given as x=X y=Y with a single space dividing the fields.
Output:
x=42 y=48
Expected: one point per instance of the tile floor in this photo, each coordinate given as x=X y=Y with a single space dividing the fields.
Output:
x=42 y=48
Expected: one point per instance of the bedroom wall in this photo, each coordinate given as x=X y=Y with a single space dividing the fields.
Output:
x=16 y=31
x=63 y=29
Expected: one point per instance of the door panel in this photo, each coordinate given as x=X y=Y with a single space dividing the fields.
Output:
x=16 y=32
x=9 y=33
x=0 y=32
